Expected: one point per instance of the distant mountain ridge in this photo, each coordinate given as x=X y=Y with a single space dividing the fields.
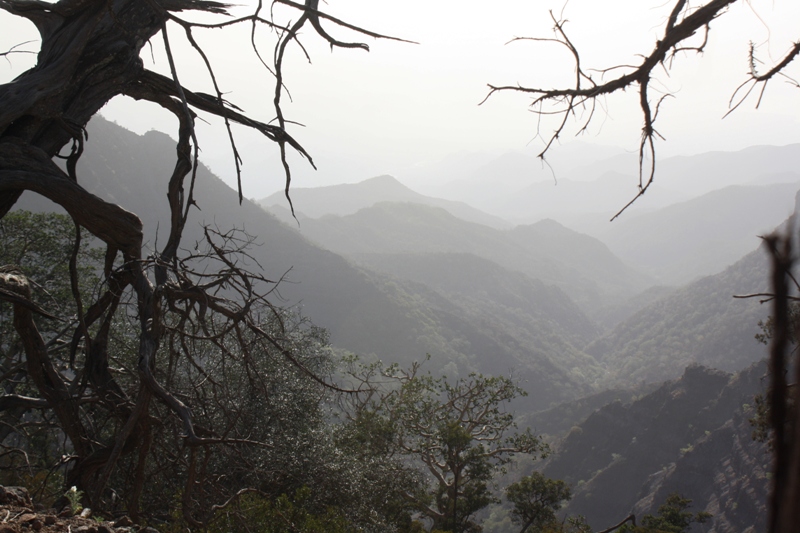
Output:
x=346 y=199
x=703 y=235
x=517 y=187
x=366 y=312
x=580 y=265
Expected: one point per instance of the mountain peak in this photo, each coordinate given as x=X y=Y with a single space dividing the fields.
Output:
x=382 y=179
x=346 y=199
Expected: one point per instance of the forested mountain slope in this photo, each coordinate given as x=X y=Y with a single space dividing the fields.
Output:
x=493 y=292
x=700 y=322
x=365 y=312
x=580 y=265
x=690 y=435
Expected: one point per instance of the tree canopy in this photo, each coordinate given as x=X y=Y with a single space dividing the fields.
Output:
x=457 y=432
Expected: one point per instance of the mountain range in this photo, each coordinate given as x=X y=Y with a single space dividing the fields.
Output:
x=521 y=188
x=672 y=238
x=578 y=264
x=395 y=275
x=365 y=311
x=348 y=198
x=399 y=280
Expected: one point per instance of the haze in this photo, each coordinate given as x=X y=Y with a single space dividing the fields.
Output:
x=411 y=110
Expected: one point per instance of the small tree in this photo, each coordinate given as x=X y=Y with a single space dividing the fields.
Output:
x=672 y=517
x=536 y=499
x=457 y=433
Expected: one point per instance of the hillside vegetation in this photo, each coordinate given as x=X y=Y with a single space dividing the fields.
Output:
x=701 y=322
x=580 y=265
x=690 y=435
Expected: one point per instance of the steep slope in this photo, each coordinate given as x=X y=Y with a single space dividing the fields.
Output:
x=366 y=312
x=466 y=335
x=683 y=436
x=700 y=322
x=346 y=199
x=581 y=266
x=509 y=298
x=587 y=255
x=701 y=236
x=725 y=473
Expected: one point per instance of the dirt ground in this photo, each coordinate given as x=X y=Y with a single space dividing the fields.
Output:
x=18 y=515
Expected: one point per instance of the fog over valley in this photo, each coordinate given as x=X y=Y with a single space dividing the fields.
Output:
x=399 y=267
x=571 y=305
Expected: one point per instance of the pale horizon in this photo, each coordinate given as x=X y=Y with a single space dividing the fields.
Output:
x=402 y=106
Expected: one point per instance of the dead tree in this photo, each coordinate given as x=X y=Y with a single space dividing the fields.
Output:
x=90 y=53
x=783 y=415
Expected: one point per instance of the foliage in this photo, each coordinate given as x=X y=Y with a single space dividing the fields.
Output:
x=74 y=496
x=279 y=515
x=672 y=517
x=40 y=246
x=536 y=499
x=761 y=418
x=457 y=433
x=768 y=326
x=274 y=418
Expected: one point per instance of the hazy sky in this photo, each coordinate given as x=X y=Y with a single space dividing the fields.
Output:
x=402 y=105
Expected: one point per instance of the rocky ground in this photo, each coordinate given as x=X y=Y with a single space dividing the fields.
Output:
x=18 y=515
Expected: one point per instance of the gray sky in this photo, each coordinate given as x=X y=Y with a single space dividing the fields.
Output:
x=404 y=105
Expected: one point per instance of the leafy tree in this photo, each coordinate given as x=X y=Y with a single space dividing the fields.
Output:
x=536 y=499
x=276 y=421
x=457 y=433
x=672 y=517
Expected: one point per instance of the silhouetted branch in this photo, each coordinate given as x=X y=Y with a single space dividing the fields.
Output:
x=682 y=24
x=631 y=518
x=756 y=79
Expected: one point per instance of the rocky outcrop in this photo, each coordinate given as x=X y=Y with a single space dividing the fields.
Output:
x=689 y=436
x=724 y=474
